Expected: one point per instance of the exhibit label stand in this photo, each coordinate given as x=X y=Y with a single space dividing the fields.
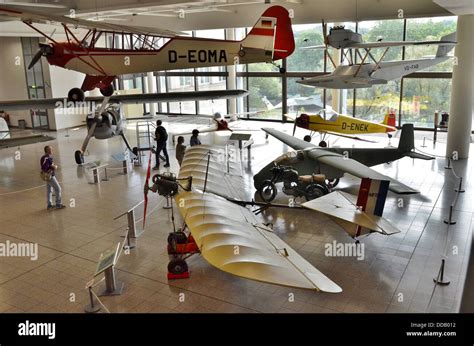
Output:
x=132 y=232
x=106 y=265
x=95 y=168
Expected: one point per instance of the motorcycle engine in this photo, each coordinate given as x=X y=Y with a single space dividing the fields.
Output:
x=290 y=181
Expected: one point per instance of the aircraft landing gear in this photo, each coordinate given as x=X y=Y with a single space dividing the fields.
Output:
x=107 y=91
x=75 y=95
x=323 y=144
x=79 y=156
x=181 y=247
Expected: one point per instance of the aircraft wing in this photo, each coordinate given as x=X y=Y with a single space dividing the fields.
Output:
x=338 y=161
x=291 y=141
x=383 y=44
x=43 y=17
x=339 y=205
x=230 y=237
x=126 y=99
x=348 y=136
x=357 y=169
x=321 y=46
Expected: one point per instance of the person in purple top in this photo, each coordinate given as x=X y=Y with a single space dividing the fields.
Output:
x=47 y=165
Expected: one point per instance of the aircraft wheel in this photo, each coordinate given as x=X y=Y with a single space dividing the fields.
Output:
x=333 y=182
x=282 y=70
x=107 y=91
x=135 y=151
x=323 y=144
x=268 y=191
x=314 y=191
x=241 y=53
x=177 y=266
x=75 y=95
x=79 y=157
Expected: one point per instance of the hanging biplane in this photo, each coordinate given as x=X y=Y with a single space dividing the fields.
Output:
x=107 y=50
x=358 y=73
x=329 y=122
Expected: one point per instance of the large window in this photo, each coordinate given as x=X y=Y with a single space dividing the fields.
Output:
x=373 y=103
x=422 y=97
x=415 y=98
x=429 y=29
x=307 y=59
x=34 y=81
x=265 y=97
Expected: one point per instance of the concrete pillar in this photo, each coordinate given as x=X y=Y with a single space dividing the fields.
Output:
x=151 y=84
x=232 y=79
x=337 y=96
x=462 y=91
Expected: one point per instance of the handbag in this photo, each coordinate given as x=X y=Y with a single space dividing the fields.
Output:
x=46 y=176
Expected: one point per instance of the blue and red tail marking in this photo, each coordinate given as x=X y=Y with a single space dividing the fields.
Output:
x=371 y=198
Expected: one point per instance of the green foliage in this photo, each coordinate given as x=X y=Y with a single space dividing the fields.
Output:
x=371 y=103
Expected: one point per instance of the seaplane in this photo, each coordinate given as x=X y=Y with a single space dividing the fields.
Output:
x=106 y=50
x=329 y=122
x=359 y=72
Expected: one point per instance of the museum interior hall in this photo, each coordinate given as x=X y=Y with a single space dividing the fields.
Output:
x=236 y=156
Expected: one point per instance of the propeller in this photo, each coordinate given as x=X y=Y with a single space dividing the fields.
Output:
x=294 y=120
x=44 y=50
x=146 y=188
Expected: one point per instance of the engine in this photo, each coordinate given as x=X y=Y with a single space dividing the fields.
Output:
x=340 y=38
x=106 y=123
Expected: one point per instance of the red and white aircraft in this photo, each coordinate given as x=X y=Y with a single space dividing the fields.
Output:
x=107 y=50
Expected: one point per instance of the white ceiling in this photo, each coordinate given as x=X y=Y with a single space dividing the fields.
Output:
x=457 y=7
x=207 y=14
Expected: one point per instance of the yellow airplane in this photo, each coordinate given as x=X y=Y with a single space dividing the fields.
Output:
x=328 y=122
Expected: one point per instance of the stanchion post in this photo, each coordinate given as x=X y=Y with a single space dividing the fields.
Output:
x=448 y=166
x=424 y=143
x=91 y=308
x=440 y=279
x=449 y=220
x=460 y=189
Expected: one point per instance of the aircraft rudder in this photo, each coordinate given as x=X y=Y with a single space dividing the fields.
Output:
x=444 y=49
x=407 y=138
x=390 y=119
x=273 y=26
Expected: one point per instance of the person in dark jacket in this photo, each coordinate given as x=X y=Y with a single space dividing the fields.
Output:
x=48 y=166
x=161 y=137
x=194 y=138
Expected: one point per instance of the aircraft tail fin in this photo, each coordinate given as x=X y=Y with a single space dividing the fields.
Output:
x=371 y=199
x=444 y=49
x=390 y=118
x=272 y=32
x=268 y=104
x=407 y=139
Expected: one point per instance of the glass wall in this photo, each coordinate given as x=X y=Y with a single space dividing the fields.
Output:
x=415 y=98
x=422 y=97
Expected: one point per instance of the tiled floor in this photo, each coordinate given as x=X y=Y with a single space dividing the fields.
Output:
x=396 y=274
